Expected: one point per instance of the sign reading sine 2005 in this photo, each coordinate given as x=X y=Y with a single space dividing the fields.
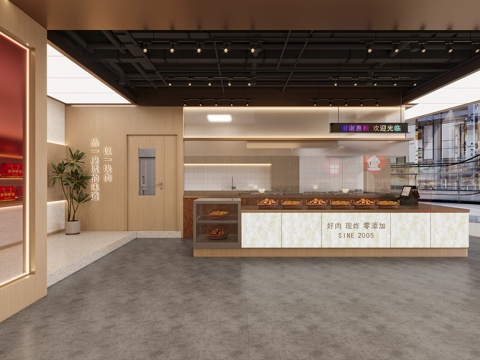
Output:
x=362 y=128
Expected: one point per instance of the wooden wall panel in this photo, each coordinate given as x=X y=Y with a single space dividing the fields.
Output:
x=111 y=125
x=23 y=292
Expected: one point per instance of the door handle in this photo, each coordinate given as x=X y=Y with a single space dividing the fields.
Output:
x=161 y=185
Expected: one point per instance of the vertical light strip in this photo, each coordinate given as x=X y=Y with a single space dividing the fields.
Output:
x=26 y=175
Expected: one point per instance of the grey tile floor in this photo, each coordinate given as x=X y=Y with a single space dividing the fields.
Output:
x=151 y=300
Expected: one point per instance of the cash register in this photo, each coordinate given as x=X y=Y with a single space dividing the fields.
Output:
x=409 y=195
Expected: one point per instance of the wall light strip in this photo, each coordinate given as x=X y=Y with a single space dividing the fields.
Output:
x=216 y=164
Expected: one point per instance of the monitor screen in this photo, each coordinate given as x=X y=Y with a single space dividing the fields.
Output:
x=406 y=191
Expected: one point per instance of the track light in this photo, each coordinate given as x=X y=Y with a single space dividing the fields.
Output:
x=449 y=48
x=376 y=102
x=395 y=84
x=330 y=103
x=247 y=103
x=200 y=103
x=249 y=83
x=209 y=83
x=314 y=102
x=355 y=82
x=369 y=49
x=346 y=102
x=422 y=48
x=216 y=102
x=252 y=49
x=335 y=83
x=414 y=84
x=225 y=49
x=231 y=102
x=396 y=48
x=169 y=83
x=477 y=48
x=184 y=102
x=229 y=83
x=361 y=103
x=172 y=49
x=199 y=48
x=145 y=49
x=189 y=83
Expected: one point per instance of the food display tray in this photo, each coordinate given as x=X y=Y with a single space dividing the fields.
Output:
x=266 y=207
x=364 y=206
x=292 y=206
x=218 y=237
x=388 y=206
x=338 y=207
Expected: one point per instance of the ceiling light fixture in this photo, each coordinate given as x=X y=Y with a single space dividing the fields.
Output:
x=355 y=82
x=477 y=48
x=145 y=49
x=369 y=49
x=449 y=48
x=252 y=49
x=200 y=103
x=361 y=103
x=249 y=83
x=396 y=48
x=184 y=102
x=216 y=102
x=189 y=83
x=247 y=103
x=376 y=102
x=330 y=103
x=172 y=49
x=219 y=117
x=229 y=83
x=346 y=102
x=231 y=102
x=422 y=48
x=199 y=48
x=169 y=83
x=314 y=102
x=225 y=49
x=209 y=83
x=335 y=83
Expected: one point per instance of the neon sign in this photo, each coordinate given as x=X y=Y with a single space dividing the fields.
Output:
x=384 y=128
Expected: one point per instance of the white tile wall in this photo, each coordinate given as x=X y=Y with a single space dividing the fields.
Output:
x=219 y=177
x=326 y=173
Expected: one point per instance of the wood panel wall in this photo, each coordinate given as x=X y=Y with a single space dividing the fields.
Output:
x=19 y=294
x=111 y=125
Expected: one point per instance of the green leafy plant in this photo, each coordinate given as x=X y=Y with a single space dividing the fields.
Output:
x=73 y=179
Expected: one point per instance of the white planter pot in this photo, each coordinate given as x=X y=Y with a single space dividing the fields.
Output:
x=72 y=227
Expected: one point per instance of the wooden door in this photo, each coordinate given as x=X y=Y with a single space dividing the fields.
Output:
x=149 y=211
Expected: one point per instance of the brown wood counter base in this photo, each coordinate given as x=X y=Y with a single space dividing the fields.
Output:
x=354 y=252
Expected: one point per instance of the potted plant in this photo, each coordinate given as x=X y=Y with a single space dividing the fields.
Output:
x=73 y=180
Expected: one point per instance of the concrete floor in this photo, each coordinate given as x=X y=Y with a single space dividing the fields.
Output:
x=151 y=300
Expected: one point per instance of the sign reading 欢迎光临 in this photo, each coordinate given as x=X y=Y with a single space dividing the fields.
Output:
x=362 y=128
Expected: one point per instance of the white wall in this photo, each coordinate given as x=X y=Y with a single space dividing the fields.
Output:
x=219 y=177
x=330 y=173
x=55 y=121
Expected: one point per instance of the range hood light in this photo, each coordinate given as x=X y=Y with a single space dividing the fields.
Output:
x=219 y=118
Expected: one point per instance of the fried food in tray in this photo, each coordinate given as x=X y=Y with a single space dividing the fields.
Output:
x=387 y=204
x=292 y=204
x=218 y=234
x=316 y=203
x=218 y=214
x=267 y=203
x=364 y=204
x=340 y=204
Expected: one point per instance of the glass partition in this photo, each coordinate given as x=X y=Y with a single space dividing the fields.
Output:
x=14 y=251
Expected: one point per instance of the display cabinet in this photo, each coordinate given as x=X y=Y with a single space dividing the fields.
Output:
x=11 y=181
x=216 y=223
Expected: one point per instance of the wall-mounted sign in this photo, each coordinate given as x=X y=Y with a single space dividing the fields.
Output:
x=96 y=168
x=385 y=128
x=374 y=163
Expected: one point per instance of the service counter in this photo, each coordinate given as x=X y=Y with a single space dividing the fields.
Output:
x=407 y=231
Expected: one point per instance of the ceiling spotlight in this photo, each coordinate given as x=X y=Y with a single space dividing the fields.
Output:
x=199 y=48
x=184 y=102
x=216 y=102
x=145 y=49
x=346 y=103
x=252 y=49
x=231 y=102
x=247 y=103
x=200 y=103
x=189 y=83
x=249 y=83
x=376 y=102
x=369 y=49
x=225 y=49
x=355 y=83
x=209 y=83
x=449 y=48
x=330 y=103
x=229 y=83
x=477 y=48
x=414 y=84
x=395 y=48
x=394 y=84
x=361 y=103
x=314 y=102
x=169 y=83
x=335 y=83
x=172 y=49
x=422 y=48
